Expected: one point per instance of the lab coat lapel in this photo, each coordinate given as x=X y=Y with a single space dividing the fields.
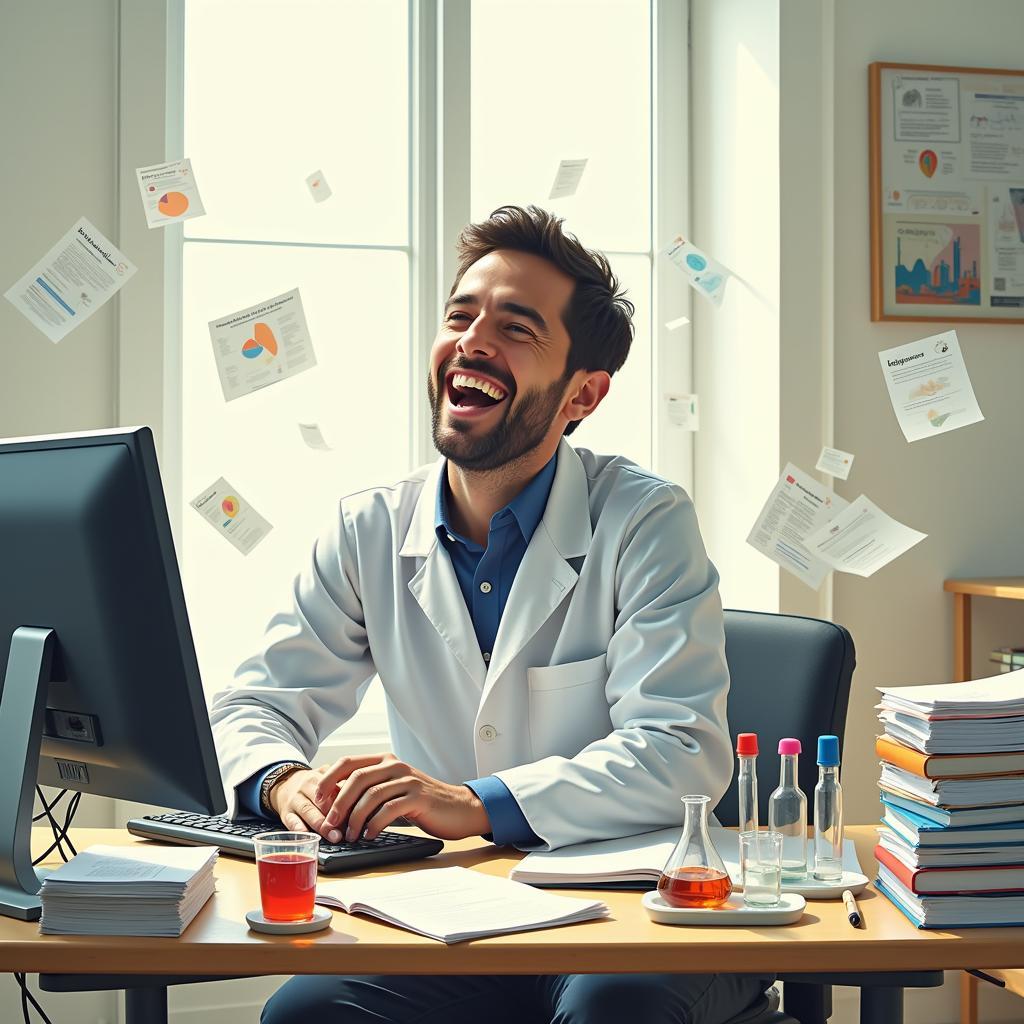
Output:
x=435 y=585
x=545 y=576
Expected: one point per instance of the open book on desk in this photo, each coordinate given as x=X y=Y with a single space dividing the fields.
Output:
x=631 y=862
x=455 y=904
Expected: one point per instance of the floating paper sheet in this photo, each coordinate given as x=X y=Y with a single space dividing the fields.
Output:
x=681 y=321
x=169 y=193
x=797 y=507
x=706 y=275
x=861 y=539
x=313 y=437
x=683 y=411
x=567 y=179
x=77 y=276
x=929 y=388
x=835 y=462
x=231 y=516
x=318 y=187
x=261 y=345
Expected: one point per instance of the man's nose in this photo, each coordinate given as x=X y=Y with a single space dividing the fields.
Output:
x=478 y=339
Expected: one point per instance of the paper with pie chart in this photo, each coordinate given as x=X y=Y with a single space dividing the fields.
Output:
x=169 y=193
x=77 y=276
x=231 y=516
x=261 y=345
x=706 y=275
x=928 y=384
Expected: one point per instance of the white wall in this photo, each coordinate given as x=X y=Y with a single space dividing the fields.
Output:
x=965 y=489
x=58 y=100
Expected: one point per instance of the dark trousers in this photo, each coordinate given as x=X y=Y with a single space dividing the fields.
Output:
x=518 y=999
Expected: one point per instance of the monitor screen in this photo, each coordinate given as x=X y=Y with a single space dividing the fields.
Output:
x=86 y=551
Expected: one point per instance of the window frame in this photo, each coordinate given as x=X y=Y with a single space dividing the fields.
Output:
x=439 y=198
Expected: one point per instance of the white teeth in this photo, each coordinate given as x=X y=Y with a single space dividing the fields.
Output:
x=461 y=380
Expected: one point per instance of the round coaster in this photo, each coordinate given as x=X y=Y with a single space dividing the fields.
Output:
x=258 y=923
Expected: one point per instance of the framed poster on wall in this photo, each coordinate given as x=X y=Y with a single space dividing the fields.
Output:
x=947 y=193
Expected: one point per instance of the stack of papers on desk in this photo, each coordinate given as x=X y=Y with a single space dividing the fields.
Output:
x=455 y=904
x=128 y=890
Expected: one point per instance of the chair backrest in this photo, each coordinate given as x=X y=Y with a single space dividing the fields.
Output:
x=790 y=677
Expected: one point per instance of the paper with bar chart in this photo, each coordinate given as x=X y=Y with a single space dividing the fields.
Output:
x=261 y=345
x=169 y=193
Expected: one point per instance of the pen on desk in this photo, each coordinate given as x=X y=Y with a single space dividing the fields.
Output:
x=852 y=911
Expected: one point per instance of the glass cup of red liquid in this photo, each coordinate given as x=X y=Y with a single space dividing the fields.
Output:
x=286 y=863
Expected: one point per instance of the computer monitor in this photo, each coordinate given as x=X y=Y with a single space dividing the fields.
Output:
x=102 y=691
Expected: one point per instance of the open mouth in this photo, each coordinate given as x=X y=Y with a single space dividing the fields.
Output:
x=469 y=393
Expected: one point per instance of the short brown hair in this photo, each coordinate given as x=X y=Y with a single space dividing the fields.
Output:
x=598 y=317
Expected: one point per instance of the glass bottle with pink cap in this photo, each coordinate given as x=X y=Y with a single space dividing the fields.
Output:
x=787 y=812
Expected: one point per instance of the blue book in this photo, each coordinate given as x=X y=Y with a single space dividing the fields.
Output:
x=919 y=831
x=958 y=817
x=976 y=911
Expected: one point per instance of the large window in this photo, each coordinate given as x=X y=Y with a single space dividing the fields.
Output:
x=273 y=91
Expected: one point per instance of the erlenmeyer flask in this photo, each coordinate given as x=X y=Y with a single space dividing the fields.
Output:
x=694 y=876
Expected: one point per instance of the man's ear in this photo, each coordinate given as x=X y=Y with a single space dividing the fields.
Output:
x=586 y=394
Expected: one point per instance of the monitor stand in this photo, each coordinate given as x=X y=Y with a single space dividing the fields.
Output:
x=22 y=710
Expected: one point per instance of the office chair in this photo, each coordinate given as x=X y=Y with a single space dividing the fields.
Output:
x=791 y=677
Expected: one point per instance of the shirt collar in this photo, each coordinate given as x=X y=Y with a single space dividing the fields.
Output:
x=527 y=507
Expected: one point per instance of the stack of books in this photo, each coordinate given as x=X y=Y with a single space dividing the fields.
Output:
x=1009 y=659
x=128 y=890
x=951 y=847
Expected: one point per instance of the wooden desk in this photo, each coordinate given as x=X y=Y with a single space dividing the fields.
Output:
x=218 y=941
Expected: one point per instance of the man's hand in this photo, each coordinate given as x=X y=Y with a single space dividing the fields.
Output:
x=363 y=795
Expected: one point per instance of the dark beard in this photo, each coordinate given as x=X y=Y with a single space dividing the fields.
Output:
x=521 y=430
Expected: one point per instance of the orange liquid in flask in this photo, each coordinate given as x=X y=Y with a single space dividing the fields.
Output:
x=695 y=887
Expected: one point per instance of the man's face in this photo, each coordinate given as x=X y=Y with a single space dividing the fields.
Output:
x=497 y=369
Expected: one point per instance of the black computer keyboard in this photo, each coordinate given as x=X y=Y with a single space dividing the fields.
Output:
x=236 y=837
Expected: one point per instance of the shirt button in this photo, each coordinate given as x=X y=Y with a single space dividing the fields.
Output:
x=485 y=587
x=450 y=537
x=487 y=655
x=488 y=732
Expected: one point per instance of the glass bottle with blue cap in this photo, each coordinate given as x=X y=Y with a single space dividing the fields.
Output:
x=828 y=813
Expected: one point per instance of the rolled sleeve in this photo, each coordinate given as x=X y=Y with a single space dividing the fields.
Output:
x=509 y=826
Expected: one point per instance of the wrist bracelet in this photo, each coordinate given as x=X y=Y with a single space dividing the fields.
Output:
x=278 y=774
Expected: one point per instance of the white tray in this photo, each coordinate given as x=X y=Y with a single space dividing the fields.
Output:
x=733 y=912
x=813 y=889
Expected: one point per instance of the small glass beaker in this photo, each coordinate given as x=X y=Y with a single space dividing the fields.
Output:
x=761 y=868
x=286 y=863
x=695 y=875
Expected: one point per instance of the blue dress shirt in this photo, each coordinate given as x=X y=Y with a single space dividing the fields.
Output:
x=485 y=576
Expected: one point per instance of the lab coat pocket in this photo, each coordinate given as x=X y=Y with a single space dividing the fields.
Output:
x=568 y=706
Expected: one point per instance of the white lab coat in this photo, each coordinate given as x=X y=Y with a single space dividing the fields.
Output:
x=605 y=697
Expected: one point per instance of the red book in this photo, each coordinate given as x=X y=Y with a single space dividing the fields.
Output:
x=951 y=881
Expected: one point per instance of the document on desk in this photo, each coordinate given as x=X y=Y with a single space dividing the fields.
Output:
x=128 y=890
x=455 y=904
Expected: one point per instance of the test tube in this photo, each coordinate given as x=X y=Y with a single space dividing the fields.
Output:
x=746 y=780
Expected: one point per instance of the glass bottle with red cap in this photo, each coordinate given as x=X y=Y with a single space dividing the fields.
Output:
x=787 y=812
x=746 y=781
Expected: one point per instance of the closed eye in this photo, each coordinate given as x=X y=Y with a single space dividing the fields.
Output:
x=461 y=317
